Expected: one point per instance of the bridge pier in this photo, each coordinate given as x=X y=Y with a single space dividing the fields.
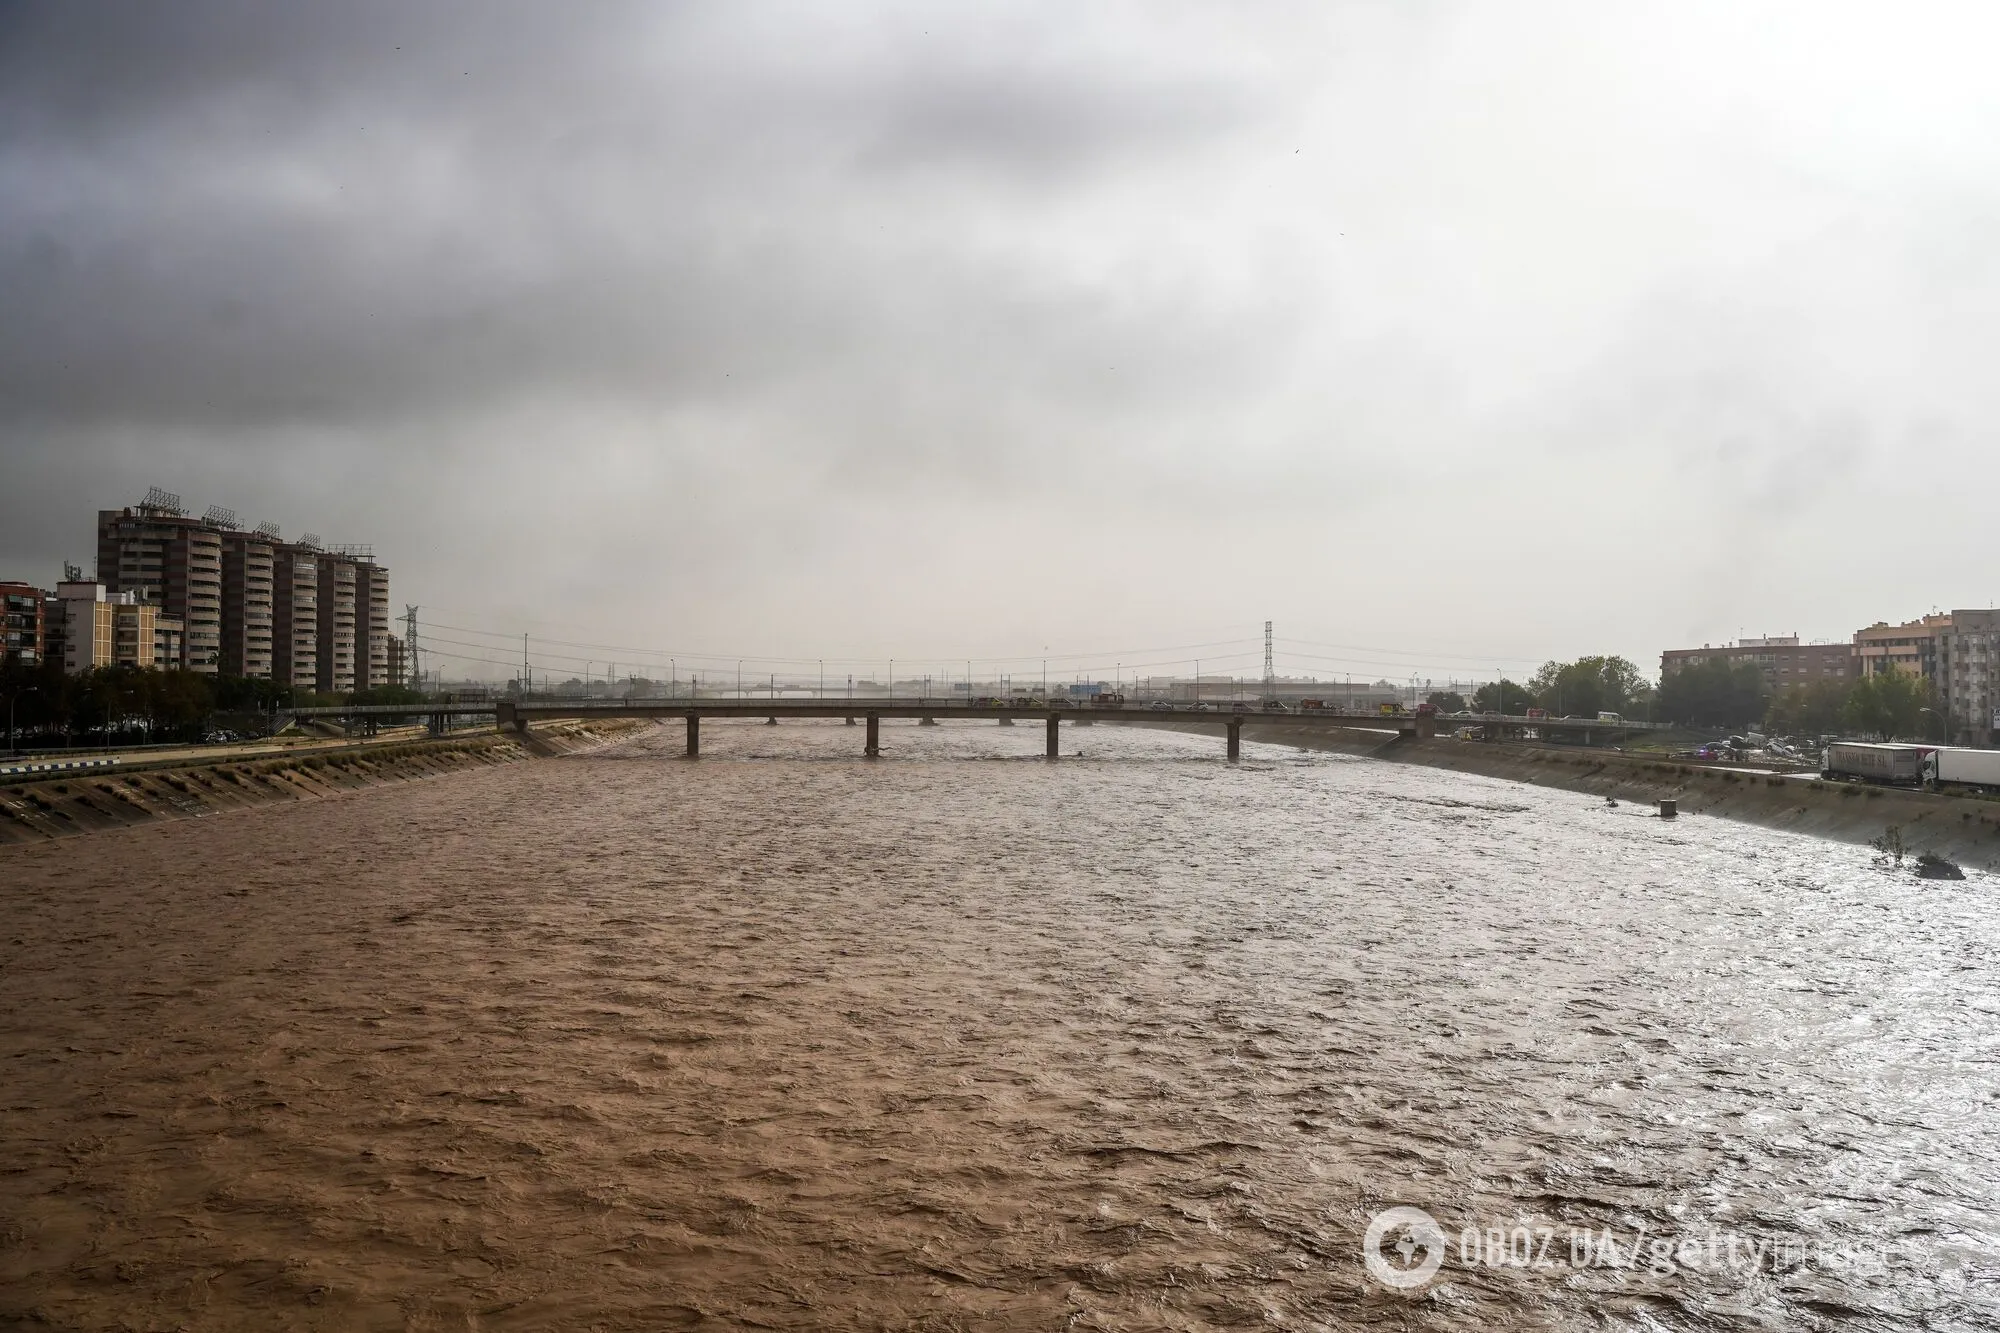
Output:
x=874 y=749
x=1055 y=735
x=1235 y=739
x=694 y=736
x=850 y=721
x=770 y=721
x=1006 y=721
x=927 y=722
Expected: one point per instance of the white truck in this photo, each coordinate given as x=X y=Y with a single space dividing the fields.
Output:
x=1863 y=761
x=1957 y=767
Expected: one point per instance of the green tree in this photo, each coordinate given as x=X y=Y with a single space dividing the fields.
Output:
x=387 y=694
x=1816 y=708
x=1714 y=693
x=1507 y=696
x=1446 y=701
x=1892 y=705
x=1589 y=686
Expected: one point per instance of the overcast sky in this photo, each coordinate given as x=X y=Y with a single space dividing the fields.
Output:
x=1449 y=337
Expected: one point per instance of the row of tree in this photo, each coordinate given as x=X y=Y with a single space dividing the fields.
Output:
x=1890 y=705
x=1583 y=688
x=130 y=705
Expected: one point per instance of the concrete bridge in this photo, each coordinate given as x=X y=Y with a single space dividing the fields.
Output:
x=517 y=714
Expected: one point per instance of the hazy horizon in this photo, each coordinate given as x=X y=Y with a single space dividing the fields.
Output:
x=1452 y=339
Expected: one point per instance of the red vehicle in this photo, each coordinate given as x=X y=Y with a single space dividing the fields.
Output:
x=1538 y=712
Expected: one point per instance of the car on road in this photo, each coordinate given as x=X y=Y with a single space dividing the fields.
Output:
x=1160 y=706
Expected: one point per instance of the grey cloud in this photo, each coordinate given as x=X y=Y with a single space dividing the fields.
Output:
x=1326 y=308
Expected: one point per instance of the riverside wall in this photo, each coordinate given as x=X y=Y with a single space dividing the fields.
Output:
x=1962 y=829
x=100 y=800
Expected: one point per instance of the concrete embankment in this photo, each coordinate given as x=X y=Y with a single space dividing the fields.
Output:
x=140 y=793
x=1962 y=829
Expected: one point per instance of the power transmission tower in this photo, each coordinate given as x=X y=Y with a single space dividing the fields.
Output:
x=410 y=645
x=1270 y=676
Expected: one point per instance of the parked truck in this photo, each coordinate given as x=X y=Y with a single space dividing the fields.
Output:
x=1865 y=761
x=1953 y=766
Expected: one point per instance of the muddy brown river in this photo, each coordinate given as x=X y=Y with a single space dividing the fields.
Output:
x=964 y=1039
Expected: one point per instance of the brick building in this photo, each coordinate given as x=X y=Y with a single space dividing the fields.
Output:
x=1783 y=660
x=23 y=624
x=171 y=562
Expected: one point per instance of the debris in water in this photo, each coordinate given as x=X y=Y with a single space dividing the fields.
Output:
x=1932 y=866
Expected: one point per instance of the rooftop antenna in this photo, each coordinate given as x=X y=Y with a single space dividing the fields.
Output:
x=309 y=540
x=219 y=516
x=162 y=502
x=268 y=529
x=72 y=572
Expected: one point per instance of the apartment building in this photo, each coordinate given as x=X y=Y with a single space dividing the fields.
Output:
x=372 y=633
x=102 y=628
x=1911 y=646
x=23 y=624
x=1968 y=665
x=1782 y=658
x=335 y=667
x=245 y=602
x=295 y=615
x=171 y=562
x=249 y=561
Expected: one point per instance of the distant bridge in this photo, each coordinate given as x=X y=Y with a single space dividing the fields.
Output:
x=517 y=714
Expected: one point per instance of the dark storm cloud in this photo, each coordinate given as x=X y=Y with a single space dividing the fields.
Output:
x=1409 y=324
x=237 y=215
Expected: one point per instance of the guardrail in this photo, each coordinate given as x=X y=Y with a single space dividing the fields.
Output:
x=750 y=703
x=54 y=766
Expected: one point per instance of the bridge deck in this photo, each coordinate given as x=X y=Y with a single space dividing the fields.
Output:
x=519 y=713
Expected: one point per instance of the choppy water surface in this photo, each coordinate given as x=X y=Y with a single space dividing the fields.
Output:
x=965 y=1039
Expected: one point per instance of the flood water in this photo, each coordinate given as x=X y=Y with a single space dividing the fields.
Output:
x=964 y=1039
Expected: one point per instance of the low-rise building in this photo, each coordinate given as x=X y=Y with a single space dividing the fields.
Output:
x=1782 y=658
x=103 y=628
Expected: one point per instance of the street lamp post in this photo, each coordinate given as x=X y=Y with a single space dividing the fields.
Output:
x=1943 y=731
x=15 y=698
